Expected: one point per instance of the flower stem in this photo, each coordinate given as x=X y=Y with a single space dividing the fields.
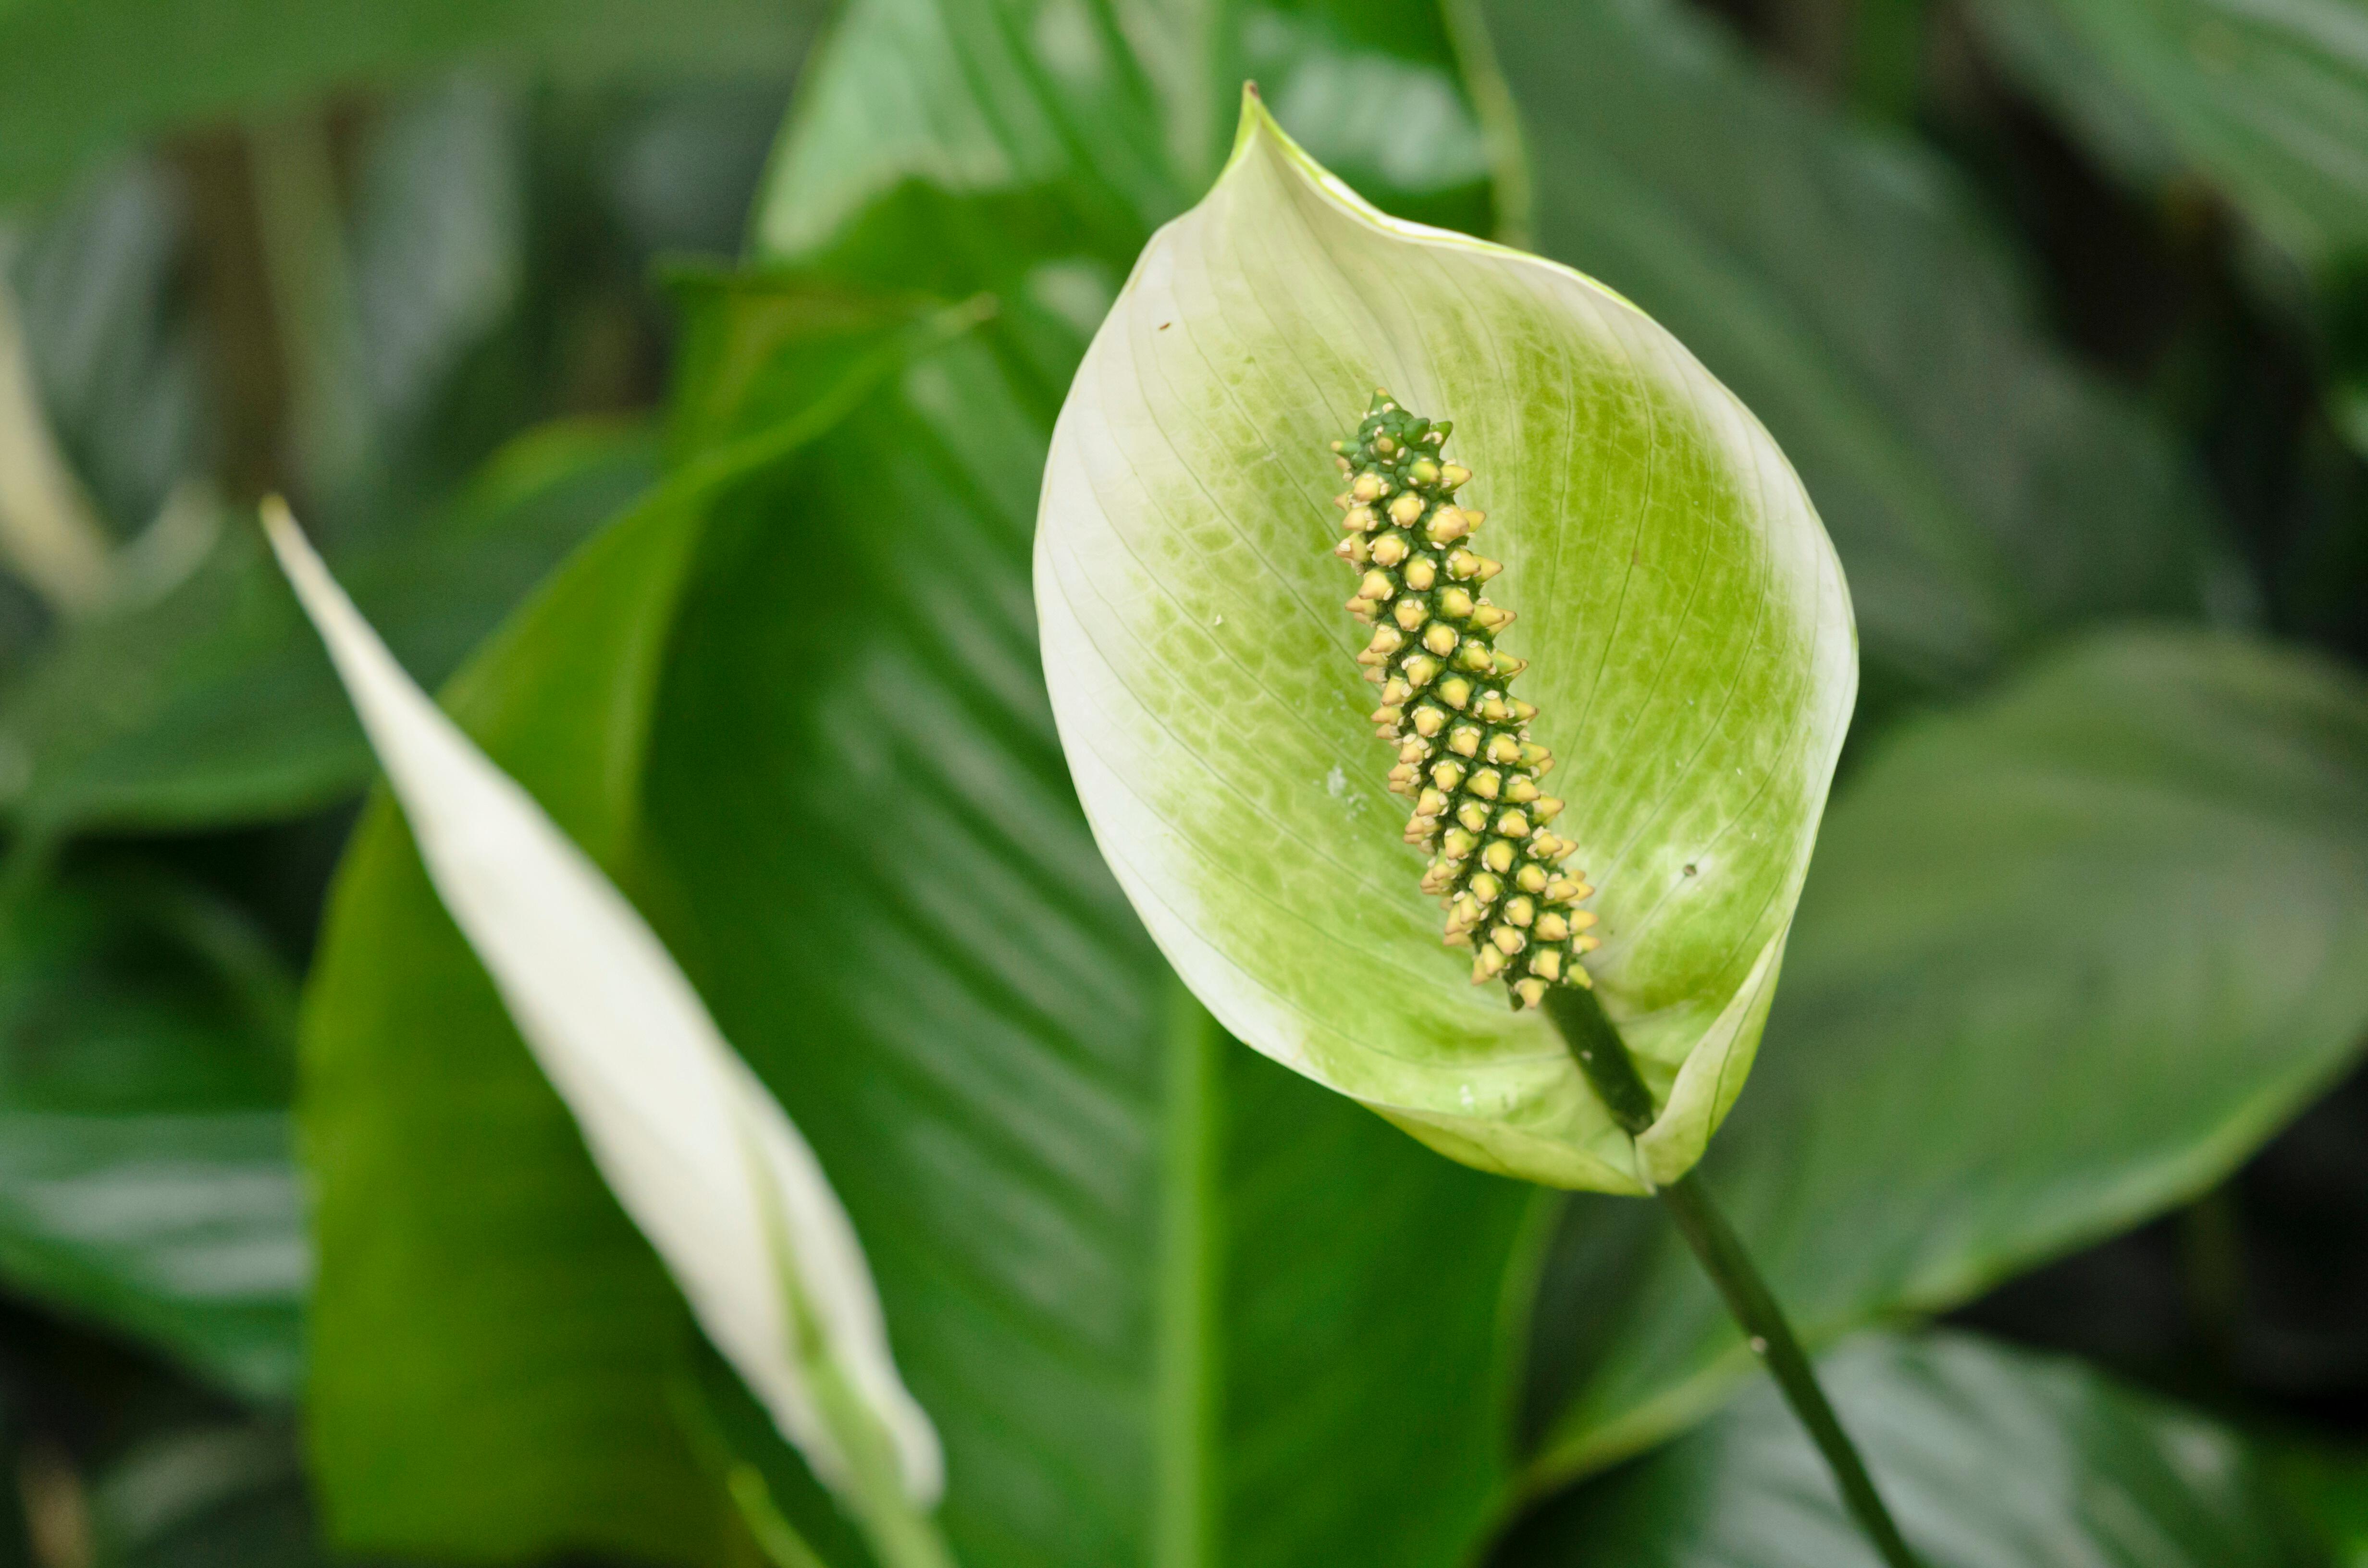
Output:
x=1603 y=1057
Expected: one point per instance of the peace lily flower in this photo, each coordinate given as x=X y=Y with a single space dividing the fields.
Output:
x=697 y=1150
x=1578 y=505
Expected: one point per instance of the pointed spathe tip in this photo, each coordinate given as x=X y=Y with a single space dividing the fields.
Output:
x=1255 y=118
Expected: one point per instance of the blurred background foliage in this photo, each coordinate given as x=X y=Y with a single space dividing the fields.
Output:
x=673 y=382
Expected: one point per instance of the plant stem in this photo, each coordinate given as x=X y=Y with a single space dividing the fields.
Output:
x=1603 y=1057
x=1755 y=1307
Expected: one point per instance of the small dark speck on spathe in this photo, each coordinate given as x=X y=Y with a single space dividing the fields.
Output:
x=1689 y=869
x=1166 y=325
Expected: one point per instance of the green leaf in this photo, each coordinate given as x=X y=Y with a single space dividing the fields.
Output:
x=1138 y=1276
x=1066 y=1238
x=2269 y=103
x=1041 y=141
x=214 y=704
x=1689 y=628
x=1987 y=1455
x=466 y=1241
x=2067 y=957
x=230 y=1494
x=145 y=1177
x=80 y=77
x=1984 y=492
x=700 y=1156
x=2329 y=1486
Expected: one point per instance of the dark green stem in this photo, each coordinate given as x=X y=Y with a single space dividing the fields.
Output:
x=1603 y=1057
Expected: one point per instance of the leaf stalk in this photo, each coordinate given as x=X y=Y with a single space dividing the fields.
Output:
x=1603 y=1057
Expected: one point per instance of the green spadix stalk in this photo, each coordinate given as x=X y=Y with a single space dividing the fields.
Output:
x=1653 y=577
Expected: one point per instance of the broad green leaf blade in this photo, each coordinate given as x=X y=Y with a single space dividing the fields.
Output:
x=1990 y=1457
x=1167 y=1302
x=215 y=705
x=145 y=1177
x=463 y=1231
x=2068 y=956
x=78 y=79
x=695 y=1148
x=1041 y=140
x=1984 y=492
x=466 y=1241
x=1687 y=625
x=2269 y=103
x=1105 y=1398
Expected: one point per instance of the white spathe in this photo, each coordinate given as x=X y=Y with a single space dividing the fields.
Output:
x=697 y=1150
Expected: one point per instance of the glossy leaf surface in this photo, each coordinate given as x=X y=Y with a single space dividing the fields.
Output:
x=2269 y=103
x=146 y=1181
x=2067 y=957
x=1138 y=1276
x=213 y=704
x=1686 y=624
x=1990 y=1457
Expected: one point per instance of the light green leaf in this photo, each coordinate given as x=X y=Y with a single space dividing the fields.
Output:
x=2066 y=959
x=1688 y=627
x=694 y=1147
x=1990 y=1457
x=145 y=1177
x=2269 y=103
x=466 y=1241
x=1986 y=493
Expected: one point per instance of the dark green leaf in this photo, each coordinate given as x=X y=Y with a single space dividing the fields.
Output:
x=2269 y=103
x=1140 y=1278
x=1984 y=493
x=215 y=704
x=2329 y=1486
x=79 y=77
x=2065 y=959
x=1989 y=1458
x=225 y=1495
x=145 y=1177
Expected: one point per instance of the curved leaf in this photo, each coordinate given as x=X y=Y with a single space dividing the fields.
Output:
x=1141 y=1277
x=2066 y=959
x=213 y=705
x=1990 y=1457
x=146 y=1180
x=2269 y=102
x=1687 y=625
x=695 y=1148
x=466 y=1241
